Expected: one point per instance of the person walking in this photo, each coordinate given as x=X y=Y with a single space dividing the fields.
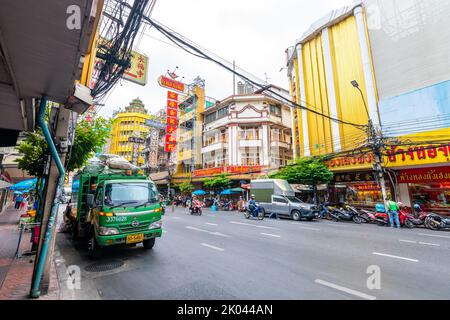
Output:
x=393 y=210
x=19 y=200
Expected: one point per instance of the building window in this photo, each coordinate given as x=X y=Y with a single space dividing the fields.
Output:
x=210 y=117
x=275 y=110
x=249 y=133
x=222 y=112
x=250 y=157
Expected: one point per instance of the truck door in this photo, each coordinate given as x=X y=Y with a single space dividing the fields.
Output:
x=280 y=205
x=98 y=202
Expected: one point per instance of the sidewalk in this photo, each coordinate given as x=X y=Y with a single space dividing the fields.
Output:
x=15 y=274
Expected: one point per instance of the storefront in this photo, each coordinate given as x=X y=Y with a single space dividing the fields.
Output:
x=428 y=187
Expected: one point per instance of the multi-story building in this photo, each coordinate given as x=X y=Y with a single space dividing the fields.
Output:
x=246 y=136
x=129 y=123
x=383 y=47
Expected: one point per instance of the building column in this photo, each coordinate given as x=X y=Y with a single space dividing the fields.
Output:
x=232 y=143
x=302 y=96
x=367 y=66
x=329 y=72
x=265 y=148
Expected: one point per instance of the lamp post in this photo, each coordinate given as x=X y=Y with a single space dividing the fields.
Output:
x=376 y=143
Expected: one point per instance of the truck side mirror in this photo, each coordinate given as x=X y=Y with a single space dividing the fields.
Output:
x=90 y=200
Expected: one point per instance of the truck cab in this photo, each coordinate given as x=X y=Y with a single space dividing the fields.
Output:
x=116 y=207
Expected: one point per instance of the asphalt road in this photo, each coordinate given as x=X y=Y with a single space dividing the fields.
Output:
x=224 y=256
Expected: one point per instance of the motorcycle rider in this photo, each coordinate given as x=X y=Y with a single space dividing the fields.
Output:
x=196 y=204
x=253 y=206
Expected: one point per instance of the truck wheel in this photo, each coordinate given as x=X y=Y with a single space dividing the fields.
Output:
x=149 y=243
x=296 y=215
x=93 y=247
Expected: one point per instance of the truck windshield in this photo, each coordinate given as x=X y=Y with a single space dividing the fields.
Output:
x=294 y=200
x=130 y=193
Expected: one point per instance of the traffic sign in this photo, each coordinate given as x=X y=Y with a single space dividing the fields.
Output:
x=155 y=124
x=136 y=140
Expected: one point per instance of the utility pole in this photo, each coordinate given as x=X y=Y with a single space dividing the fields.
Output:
x=375 y=141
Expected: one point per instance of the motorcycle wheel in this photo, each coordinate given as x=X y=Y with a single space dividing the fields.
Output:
x=357 y=219
x=247 y=215
x=430 y=225
x=261 y=214
x=409 y=224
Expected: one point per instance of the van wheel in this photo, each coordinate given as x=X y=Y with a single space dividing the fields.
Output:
x=296 y=215
x=93 y=247
x=149 y=243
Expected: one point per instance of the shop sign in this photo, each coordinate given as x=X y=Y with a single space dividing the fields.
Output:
x=171 y=84
x=354 y=177
x=366 y=187
x=418 y=155
x=425 y=175
x=351 y=163
x=137 y=72
x=171 y=121
x=229 y=169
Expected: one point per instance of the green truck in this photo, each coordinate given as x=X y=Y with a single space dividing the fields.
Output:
x=114 y=207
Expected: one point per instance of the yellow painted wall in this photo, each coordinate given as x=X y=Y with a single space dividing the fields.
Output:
x=117 y=137
x=299 y=112
x=319 y=127
x=347 y=65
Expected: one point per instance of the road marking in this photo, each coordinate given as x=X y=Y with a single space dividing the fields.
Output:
x=270 y=235
x=211 y=224
x=336 y=224
x=433 y=235
x=408 y=241
x=164 y=231
x=308 y=228
x=212 y=247
x=176 y=218
x=395 y=257
x=430 y=244
x=346 y=290
x=209 y=232
x=252 y=225
x=211 y=215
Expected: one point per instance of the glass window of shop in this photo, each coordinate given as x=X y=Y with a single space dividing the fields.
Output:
x=366 y=194
x=433 y=197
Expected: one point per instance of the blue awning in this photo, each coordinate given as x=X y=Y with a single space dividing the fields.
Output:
x=24 y=185
x=199 y=193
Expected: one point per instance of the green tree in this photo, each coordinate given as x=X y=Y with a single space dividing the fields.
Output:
x=217 y=182
x=186 y=187
x=90 y=137
x=308 y=171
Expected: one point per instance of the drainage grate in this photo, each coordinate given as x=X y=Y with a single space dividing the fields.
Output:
x=104 y=266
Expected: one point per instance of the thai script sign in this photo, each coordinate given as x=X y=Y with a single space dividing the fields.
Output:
x=426 y=175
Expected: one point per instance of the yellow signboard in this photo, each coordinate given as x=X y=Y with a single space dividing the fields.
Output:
x=137 y=73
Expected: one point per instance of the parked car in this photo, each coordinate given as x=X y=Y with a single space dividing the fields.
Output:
x=290 y=207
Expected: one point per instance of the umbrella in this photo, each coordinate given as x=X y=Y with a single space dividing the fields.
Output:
x=199 y=193
x=228 y=192
x=25 y=185
x=18 y=192
x=75 y=185
x=237 y=190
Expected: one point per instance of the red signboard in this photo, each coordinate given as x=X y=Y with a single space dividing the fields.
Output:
x=425 y=175
x=172 y=96
x=169 y=147
x=171 y=129
x=208 y=172
x=171 y=138
x=172 y=104
x=229 y=169
x=171 y=84
x=244 y=169
x=172 y=113
x=172 y=121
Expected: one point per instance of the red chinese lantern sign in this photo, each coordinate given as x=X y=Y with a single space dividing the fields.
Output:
x=171 y=121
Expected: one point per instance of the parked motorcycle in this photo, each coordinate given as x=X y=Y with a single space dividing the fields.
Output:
x=405 y=219
x=437 y=222
x=228 y=206
x=344 y=214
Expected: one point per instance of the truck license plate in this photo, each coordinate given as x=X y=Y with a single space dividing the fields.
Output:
x=134 y=238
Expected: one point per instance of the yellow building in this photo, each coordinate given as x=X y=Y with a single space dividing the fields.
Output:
x=126 y=124
x=321 y=66
x=189 y=133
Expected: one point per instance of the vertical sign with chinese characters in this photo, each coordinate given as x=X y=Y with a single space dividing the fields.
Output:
x=172 y=121
x=154 y=140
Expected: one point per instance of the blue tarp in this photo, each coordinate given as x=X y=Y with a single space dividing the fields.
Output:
x=24 y=185
x=199 y=193
x=229 y=192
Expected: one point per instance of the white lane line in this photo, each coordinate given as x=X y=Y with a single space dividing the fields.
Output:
x=252 y=225
x=346 y=290
x=164 y=231
x=395 y=257
x=211 y=215
x=430 y=244
x=270 y=235
x=336 y=224
x=433 y=235
x=308 y=228
x=209 y=232
x=408 y=241
x=211 y=224
x=213 y=247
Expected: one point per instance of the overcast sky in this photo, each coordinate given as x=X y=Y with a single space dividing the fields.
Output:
x=254 y=33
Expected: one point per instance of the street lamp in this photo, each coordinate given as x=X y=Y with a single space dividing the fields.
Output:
x=356 y=85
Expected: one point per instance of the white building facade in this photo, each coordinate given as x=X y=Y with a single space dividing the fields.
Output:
x=247 y=130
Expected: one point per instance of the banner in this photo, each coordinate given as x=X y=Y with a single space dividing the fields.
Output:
x=171 y=121
x=425 y=175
